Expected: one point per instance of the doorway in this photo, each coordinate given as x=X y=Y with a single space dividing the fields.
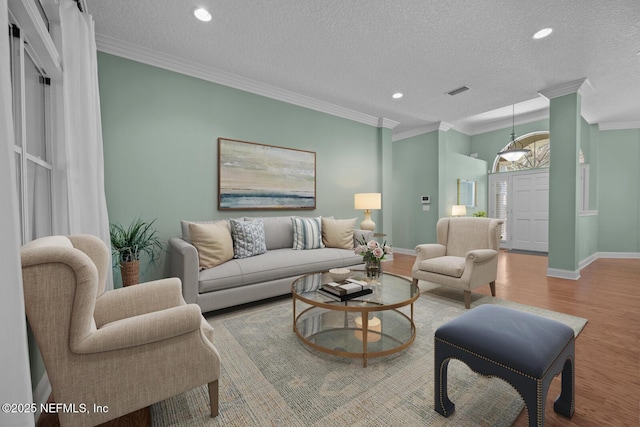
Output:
x=521 y=199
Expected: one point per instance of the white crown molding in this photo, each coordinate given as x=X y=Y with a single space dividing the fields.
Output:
x=564 y=89
x=619 y=125
x=521 y=119
x=126 y=50
x=444 y=126
x=387 y=123
x=415 y=132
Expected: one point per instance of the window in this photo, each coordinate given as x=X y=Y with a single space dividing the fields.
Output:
x=32 y=145
x=538 y=157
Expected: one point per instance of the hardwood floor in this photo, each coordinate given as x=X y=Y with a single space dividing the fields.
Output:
x=607 y=376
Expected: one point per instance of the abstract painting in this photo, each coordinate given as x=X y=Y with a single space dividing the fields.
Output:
x=260 y=176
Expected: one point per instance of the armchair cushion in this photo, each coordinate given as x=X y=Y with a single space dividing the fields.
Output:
x=448 y=265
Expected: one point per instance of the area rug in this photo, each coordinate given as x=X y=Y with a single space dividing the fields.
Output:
x=270 y=378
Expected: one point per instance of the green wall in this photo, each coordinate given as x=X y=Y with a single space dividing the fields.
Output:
x=618 y=190
x=160 y=132
x=431 y=164
x=160 y=141
x=415 y=174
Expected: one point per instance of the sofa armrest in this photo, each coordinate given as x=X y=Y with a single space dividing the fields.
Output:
x=183 y=259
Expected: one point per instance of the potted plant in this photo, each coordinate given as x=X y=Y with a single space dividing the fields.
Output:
x=128 y=244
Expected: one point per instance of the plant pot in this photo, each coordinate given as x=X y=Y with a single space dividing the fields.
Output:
x=130 y=272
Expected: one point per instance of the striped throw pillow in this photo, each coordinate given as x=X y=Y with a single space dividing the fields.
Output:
x=307 y=233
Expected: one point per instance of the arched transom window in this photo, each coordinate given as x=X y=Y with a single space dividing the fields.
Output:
x=539 y=155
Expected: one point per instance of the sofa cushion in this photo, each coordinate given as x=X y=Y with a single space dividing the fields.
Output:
x=448 y=265
x=278 y=231
x=248 y=238
x=184 y=226
x=213 y=242
x=338 y=233
x=307 y=233
x=273 y=265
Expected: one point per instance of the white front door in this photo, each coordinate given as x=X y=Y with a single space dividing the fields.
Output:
x=530 y=211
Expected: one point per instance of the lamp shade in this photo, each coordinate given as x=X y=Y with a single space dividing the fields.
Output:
x=458 y=210
x=514 y=155
x=368 y=201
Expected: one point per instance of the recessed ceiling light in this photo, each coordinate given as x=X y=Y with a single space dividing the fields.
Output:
x=542 y=33
x=397 y=95
x=202 y=14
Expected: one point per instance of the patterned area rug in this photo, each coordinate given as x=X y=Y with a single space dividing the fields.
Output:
x=270 y=378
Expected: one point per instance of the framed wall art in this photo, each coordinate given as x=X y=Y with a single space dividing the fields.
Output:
x=259 y=176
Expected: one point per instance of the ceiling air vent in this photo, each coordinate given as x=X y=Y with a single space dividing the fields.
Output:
x=457 y=91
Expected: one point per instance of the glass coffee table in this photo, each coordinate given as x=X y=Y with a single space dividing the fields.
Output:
x=336 y=327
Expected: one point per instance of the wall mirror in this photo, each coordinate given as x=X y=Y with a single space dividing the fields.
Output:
x=467 y=193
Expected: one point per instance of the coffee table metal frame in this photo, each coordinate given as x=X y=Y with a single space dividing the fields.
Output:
x=362 y=305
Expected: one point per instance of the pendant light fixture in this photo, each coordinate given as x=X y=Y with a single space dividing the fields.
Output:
x=513 y=153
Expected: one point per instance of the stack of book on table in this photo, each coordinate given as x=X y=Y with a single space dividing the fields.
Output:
x=346 y=290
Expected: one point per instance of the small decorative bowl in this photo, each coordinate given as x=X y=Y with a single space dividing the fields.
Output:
x=338 y=274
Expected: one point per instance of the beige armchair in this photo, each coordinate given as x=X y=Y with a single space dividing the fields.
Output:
x=465 y=257
x=111 y=352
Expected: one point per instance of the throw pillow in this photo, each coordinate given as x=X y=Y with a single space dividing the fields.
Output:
x=213 y=242
x=338 y=233
x=248 y=238
x=307 y=233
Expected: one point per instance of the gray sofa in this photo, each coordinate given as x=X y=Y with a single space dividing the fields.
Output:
x=244 y=280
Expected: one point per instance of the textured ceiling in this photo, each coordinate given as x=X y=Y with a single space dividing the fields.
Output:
x=356 y=53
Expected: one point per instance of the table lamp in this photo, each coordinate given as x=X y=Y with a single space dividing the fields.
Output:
x=366 y=202
x=459 y=210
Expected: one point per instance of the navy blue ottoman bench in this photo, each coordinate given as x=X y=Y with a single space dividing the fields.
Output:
x=526 y=350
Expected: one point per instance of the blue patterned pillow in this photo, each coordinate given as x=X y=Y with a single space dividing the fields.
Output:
x=248 y=238
x=307 y=233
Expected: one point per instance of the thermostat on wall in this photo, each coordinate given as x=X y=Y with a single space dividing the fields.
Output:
x=426 y=200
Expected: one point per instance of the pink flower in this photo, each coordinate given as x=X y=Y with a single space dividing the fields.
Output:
x=378 y=252
x=372 y=244
x=387 y=249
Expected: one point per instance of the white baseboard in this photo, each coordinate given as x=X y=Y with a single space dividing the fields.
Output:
x=41 y=393
x=404 y=251
x=563 y=274
x=634 y=255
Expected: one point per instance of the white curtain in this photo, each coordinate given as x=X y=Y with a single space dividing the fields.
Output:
x=15 y=386
x=81 y=156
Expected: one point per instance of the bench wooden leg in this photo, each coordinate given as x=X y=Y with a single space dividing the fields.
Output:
x=213 y=398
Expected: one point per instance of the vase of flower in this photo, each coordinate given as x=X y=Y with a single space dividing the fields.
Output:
x=372 y=253
x=373 y=268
